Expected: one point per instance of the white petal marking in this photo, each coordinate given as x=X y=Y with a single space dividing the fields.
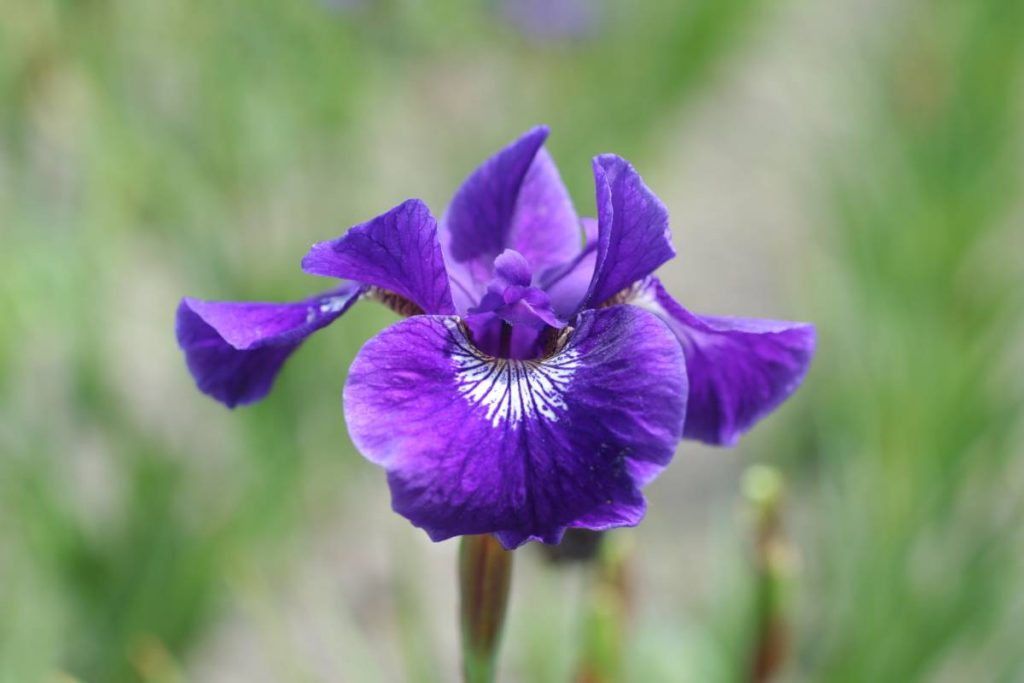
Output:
x=511 y=390
x=333 y=304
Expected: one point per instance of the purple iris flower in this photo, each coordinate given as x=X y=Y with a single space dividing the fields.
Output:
x=542 y=374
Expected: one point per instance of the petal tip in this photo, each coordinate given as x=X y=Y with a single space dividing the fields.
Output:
x=541 y=130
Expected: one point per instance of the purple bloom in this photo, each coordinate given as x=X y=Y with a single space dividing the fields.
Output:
x=542 y=375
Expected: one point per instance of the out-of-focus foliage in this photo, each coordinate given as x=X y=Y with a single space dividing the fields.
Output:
x=154 y=149
x=914 y=566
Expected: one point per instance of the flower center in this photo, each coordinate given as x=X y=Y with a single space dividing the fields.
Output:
x=512 y=390
x=514 y=318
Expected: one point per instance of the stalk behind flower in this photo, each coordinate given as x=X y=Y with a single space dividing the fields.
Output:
x=485 y=574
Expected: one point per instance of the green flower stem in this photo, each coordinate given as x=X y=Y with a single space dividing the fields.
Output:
x=485 y=574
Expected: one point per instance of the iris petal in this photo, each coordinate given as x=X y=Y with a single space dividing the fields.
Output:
x=235 y=349
x=515 y=200
x=544 y=228
x=567 y=284
x=522 y=448
x=397 y=251
x=633 y=233
x=740 y=369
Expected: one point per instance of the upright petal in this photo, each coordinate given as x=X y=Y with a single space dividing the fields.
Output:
x=514 y=200
x=544 y=228
x=235 y=349
x=740 y=369
x=523 y=448
x=567 y=283
x=397 y=251
x=633 y=233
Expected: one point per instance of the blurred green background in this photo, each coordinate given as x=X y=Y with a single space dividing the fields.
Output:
x=855 y=164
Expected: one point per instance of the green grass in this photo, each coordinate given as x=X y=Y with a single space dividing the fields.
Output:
x=916 y=555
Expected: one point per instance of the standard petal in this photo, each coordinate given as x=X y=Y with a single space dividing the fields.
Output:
x=633 y=233
x=544 y=228
x=567 y=284
x=397 y=251
x=525 y=449
x=516 y=200
x=740 y=369
x=235 y=349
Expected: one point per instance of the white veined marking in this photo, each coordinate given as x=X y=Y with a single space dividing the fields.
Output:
x=511 y=390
